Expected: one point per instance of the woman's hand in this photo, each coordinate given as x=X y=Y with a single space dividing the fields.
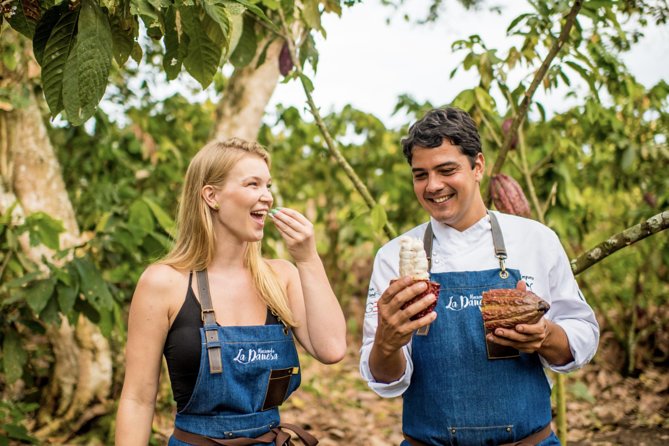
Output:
x=297 y=232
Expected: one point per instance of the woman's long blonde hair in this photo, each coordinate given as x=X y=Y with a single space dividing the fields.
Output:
x=195 y=242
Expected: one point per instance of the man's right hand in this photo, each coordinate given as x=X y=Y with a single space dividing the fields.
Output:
x=395 y=327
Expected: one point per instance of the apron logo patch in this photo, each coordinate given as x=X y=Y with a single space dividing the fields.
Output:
x=252 y=355
x=458 y=303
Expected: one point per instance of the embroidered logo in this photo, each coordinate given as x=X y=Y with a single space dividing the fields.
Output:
x=529 y=281
x=253 y=355
x=372 y=302
x=458 y=303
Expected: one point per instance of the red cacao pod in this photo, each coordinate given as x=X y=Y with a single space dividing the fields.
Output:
x=506 y=308
x=506 y=126
x=432 y=288
x=508 y=196
x=285 y=61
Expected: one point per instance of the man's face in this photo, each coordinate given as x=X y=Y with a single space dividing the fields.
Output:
x=447 y=186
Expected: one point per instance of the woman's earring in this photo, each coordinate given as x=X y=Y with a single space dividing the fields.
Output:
x=216 y=206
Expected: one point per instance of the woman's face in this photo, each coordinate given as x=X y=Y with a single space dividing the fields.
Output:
x=245 y=199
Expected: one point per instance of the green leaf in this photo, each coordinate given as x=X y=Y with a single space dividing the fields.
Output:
x=124 y=31
x=44 y=229
x=49 y=314
x=164 y=220
x=311 y=14
x=150 y=15
x=236 y=29
x=219 y=13
x=140 y=217
x=44 y=28
x=14 y=356
x=203 y=54
x=87 y=69
x=17 y=432
x=38 y=294
x=93 y=287
x=57 y=50
x=259 y=13
x=306 y=82
x=378 y=217
x=483 y=99
x=172 y=57
x=26 y=16
x=66 y=296
x=247 y=46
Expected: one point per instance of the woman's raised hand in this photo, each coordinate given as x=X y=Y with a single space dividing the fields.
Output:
x=297 y=231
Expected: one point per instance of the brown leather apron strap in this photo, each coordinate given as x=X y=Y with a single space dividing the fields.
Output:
x=276 y=436
x=209 y=321
x=530 y=440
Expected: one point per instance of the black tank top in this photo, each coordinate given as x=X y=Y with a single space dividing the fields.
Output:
x=182 y=347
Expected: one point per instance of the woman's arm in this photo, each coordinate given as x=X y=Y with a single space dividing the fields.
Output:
x=321 y=324
x=148 y=324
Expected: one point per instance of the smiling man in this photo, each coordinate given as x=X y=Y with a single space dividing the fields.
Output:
x=461 y=385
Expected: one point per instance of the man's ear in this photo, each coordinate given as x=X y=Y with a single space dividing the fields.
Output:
x=209 y=195
x=479 y=167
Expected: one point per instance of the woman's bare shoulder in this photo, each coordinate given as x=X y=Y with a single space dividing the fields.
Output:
x=161 y=280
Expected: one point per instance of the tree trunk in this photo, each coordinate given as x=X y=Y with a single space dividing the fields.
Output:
x=245 y=97
x=31 y=176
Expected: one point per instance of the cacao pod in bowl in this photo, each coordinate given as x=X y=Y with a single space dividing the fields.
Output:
x=506 y=308
x=432 y=288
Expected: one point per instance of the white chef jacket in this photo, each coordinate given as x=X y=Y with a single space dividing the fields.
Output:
x=532 y=248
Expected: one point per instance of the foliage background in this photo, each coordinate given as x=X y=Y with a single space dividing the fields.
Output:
x=589 y=172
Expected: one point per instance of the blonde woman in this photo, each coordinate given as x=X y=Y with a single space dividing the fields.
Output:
x=224 y=317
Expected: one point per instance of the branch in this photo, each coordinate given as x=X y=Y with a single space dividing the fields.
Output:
x=538 y=77
x=629 y=236
x=329 y=141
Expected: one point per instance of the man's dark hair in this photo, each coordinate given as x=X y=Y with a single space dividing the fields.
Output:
x=448 y=123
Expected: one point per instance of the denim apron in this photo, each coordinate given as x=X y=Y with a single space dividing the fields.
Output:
x=457 y=395
x=245 y=374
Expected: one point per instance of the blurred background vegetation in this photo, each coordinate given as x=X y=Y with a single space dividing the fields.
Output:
x=84 y=208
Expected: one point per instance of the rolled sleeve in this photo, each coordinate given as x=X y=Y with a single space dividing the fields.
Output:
x=384 y=270
x=572 y=313
x=385 y=390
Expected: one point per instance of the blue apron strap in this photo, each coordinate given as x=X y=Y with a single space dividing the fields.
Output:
x=210 y=326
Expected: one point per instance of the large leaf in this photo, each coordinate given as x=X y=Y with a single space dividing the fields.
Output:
x=140 y=219
x=92 y=285
x=247 y=46
x=163 y=218
x=57 y=50
x=13 y=356
x=150 y=14
x=25 y=16
x=44 y=28
x=172 y=57
x=39 y=293
x=220 y=14
x=204 y=54
x=124 y=31
x=87 y=68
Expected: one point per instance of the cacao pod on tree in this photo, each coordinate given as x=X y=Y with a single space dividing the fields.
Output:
x=508 y=196
x=285 y=62
x=506 y=308
x=506 y=126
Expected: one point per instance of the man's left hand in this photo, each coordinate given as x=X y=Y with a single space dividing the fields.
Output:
x=528 y=338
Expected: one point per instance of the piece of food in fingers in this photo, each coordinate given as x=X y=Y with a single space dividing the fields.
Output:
x=413 y=263
x=506 y=308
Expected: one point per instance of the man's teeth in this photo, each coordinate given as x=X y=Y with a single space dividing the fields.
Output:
x=440 y=199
